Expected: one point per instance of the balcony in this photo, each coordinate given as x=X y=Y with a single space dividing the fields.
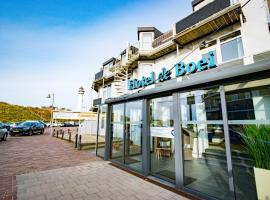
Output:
x=165 y=37
x=97 y=101
x=212 y=17
x=99 y=75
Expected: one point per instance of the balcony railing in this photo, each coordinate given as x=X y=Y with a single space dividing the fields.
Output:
x=99 y=75
x=201 y=14
x=162 y=39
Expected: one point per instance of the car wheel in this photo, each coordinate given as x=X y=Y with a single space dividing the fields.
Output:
x=5 y=137
x=30 y=132
x=41 y=131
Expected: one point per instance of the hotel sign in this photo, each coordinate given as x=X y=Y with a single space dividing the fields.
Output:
x=180 y=68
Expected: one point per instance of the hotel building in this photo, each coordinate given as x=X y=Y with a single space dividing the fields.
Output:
x=172 y=107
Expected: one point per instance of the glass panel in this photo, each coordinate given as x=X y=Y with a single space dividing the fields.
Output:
x=133 y=145
x=205 y=165
x=162 y=137
x=117 y=144
x=248 y=105
x=232 y=50
x=101 y=131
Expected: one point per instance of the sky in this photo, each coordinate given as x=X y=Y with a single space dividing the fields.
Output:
x=56 y=46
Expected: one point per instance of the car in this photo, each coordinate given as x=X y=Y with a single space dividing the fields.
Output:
x=3 y=132
x=27 y=128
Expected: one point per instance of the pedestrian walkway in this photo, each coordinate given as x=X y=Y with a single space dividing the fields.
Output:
x=26 y=154
x=96 y=180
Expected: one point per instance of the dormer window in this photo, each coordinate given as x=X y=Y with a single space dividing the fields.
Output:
x=146 y=41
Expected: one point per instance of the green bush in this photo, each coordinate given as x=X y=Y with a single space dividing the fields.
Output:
x=257 y=141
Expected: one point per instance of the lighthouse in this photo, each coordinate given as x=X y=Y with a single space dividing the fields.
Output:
x=80 y=99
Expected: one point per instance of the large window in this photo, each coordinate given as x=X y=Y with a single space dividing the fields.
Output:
x=205 y=165
x=248 y=107
x=231 y=46
x=162 y=137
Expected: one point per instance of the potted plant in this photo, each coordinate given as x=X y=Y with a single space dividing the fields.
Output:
x=257 y=141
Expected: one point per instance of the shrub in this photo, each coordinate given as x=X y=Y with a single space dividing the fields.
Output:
x=257 y=141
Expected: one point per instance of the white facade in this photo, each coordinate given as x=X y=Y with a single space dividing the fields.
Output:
x=254 y=38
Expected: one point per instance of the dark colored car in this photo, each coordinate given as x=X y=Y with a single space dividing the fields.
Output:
x=3 y=132
x=27 y=128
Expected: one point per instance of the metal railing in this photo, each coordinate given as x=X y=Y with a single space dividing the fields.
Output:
x=165 y=37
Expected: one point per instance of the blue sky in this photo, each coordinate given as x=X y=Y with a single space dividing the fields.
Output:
x=58 y=45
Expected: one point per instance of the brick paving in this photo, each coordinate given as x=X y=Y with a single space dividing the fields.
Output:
x=25 y=154
x=96 y=180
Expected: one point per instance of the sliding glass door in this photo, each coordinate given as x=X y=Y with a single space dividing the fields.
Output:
x=126 y=137
x=133 y=135
x=117 y=137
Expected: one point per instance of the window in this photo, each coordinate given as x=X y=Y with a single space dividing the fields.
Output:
x=146 y=41
x=248 y=107
x=109 y=91
x=231 y=46
x=203 y=139
x=104 y=93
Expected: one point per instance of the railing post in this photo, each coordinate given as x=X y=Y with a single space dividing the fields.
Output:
x=76 y=140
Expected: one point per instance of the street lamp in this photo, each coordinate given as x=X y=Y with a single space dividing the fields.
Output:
x=51 y=96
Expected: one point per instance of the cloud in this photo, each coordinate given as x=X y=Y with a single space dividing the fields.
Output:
x=36 y=60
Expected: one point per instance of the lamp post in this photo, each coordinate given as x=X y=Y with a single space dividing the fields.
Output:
x=51 y=96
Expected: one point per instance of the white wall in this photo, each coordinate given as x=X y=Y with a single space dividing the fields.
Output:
x=256 y=36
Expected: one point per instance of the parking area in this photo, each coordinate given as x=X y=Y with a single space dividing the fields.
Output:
x=26 y=154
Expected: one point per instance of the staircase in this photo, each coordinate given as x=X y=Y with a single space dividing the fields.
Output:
x=122 y=74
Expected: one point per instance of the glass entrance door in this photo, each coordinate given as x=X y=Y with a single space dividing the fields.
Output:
x=133 y=136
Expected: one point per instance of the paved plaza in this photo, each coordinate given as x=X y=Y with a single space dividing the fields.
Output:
x=43 y=167
x=94 y=181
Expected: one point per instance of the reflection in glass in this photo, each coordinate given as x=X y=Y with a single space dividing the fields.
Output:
x=133 y=143
x=101 y=131
x=205 y=165
x=117 y=141
x=162 y=137
x=247 y=104
x=232 y=50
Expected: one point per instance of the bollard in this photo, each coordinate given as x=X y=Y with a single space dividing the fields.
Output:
x=57 y=133
x=63 y=134
x=76 y=140
x=53 y=132
x=69 y=135
x=79 y=142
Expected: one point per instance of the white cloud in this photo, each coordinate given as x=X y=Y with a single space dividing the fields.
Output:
x=37 y=60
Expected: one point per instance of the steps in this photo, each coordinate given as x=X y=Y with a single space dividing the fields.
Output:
x=219 y=156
